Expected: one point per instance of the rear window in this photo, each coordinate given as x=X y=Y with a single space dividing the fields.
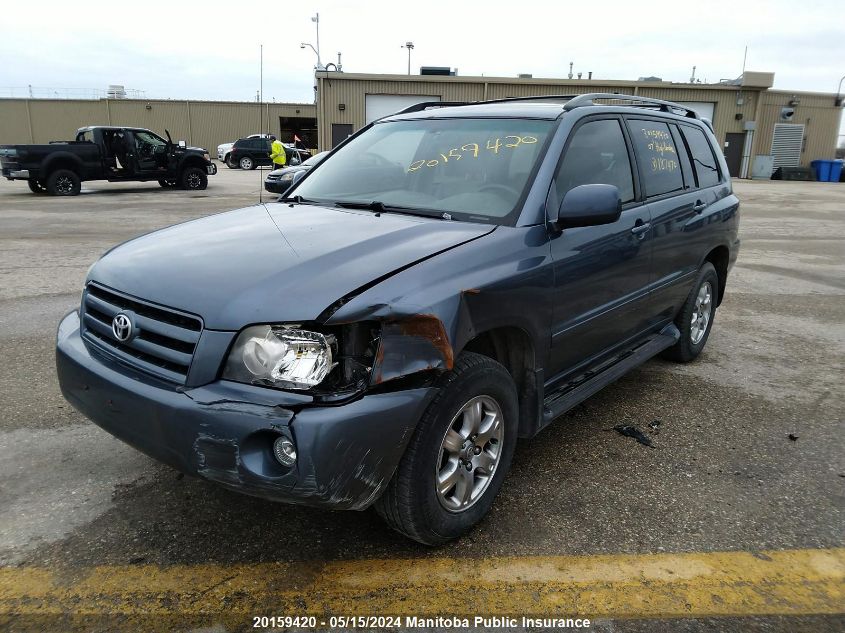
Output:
x=703 y=159
x=657 y=156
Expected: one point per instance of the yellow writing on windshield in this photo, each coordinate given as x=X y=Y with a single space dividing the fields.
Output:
x=495 y=147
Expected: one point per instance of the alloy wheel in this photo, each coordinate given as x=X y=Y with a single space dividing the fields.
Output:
x=701 y=313
x=469 y=454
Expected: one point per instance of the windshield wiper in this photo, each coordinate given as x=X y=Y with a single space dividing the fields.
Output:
x=298 y=200
x=379 y=207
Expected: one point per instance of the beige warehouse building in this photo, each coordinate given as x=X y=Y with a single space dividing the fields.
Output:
x=759 y=128
x=750 y=119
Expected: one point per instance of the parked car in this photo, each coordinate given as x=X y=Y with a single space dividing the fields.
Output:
x=450 y=279
x=224 y=149
x=249 y=153
x=116 y=154
x=280 y=180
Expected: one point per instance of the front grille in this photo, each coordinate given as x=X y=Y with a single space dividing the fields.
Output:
x=163 y=339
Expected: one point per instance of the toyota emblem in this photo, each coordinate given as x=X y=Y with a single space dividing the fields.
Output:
x=121 y=326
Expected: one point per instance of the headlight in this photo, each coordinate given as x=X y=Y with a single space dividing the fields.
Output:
x=286 y=177
x=281 y=356
x=206 y=156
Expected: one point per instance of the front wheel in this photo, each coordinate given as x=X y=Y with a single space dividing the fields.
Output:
x=194 y=179
x=695 y=319
x=63 y=182
x=459 y=455
x=246 y=163
x=35 y=186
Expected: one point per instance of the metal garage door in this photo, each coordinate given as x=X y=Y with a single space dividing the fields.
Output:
x=704 y=109
x=786 y=144
x=382 y=105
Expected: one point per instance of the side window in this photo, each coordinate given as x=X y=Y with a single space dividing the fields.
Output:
x=706 y=166
x=683 y=157
x=597 y=154
x=657 y=157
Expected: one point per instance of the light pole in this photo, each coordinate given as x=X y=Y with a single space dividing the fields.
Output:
x=410 y=47
x=316 y=20
x=838 y=101
x=319 y=65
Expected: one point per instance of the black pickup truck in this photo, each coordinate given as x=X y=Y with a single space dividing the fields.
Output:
x=116 y=154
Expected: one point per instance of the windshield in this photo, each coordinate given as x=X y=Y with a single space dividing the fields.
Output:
x=472 y=169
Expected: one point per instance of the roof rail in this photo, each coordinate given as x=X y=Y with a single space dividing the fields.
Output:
x=637 y=101
x=418 y=107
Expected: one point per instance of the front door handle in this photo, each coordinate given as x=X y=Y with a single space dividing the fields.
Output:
x=640 y=229
x=699 y=206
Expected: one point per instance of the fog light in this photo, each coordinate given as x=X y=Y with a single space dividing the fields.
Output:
x=284 y=451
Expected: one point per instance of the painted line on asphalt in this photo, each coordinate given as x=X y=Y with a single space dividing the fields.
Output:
x=777 y=582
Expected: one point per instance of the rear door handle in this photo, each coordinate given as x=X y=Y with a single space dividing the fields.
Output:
x=640 y=229
x=699 y=206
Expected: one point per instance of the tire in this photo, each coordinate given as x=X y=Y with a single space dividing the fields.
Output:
x=246 y=163
x=194 y=179
x=167 y=184
x=412 y=504
x=701 y=304
x=63 y=182
x=35 y=186
x=230 y=164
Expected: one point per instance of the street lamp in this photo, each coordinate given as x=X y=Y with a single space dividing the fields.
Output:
x=316 y=52
x=410 y=47
x=316 y=21
x=838 y=101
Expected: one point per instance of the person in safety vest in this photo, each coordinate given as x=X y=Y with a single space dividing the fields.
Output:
x=277 y=153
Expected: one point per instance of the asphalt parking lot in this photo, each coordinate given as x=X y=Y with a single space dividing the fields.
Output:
x=725 y=485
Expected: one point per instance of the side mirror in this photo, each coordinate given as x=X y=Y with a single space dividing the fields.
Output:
x=589 y=205
x=183 y=144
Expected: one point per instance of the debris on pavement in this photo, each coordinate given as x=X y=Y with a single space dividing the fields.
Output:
x=792 y=437
x=654 y=425
x=631 y=431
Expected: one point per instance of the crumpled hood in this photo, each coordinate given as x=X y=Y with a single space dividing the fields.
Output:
x=273 y=263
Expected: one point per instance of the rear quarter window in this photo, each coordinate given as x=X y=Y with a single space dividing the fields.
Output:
x=657 y=157
x=703 y=159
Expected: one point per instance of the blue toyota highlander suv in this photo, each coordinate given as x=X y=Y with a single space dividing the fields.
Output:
x=450 y=279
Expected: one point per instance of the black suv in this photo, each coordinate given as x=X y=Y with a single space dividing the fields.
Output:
x=249 y=153
x=450 y=279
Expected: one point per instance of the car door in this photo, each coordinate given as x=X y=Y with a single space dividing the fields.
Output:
x=146 y=148
x=601 y=272
x=676 y=202
x=262 y=155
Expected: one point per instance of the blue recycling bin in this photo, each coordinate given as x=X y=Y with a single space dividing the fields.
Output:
x=827 y=170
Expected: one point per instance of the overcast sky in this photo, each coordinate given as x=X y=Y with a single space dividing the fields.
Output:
x=210 y=50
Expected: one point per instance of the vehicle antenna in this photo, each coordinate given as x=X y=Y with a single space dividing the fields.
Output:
x=260 y=115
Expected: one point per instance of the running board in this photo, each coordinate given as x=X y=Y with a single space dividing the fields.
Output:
x=573 y=393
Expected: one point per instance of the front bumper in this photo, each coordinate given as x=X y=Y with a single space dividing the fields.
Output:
x=276 y=186
x=224 y=431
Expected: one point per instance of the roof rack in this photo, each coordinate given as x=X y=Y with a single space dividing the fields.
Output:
x=418 y=107
x=637 y=101
x=570 y=102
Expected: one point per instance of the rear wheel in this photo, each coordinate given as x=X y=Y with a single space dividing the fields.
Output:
x=459 y=454
x=696 y=317
x=229 y=163
x=194 y=179
x=246 y=163
x=63 y=182
x=35 y=186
